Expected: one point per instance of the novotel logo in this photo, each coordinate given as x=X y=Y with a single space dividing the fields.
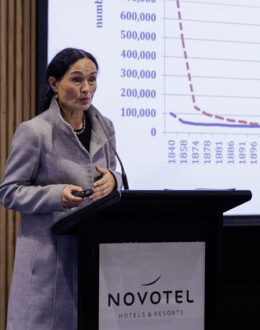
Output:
x=154 y=297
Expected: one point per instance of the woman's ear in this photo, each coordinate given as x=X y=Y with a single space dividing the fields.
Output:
x=53 y=84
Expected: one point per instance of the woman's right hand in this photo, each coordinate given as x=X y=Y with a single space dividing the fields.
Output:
x=68 y=200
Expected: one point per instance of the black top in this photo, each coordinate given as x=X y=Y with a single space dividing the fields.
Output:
x=85 y=136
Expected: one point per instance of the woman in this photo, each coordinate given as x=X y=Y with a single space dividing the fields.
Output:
x=64 y=149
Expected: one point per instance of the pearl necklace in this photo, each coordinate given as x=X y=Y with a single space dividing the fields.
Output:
x=79 y=132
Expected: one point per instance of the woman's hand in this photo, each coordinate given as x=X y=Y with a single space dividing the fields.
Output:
x=68 y=200
x=105 y=185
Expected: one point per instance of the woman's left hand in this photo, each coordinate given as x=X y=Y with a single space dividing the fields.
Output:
x=103 y=186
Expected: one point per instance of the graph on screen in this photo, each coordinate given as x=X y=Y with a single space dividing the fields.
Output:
x=180 y=80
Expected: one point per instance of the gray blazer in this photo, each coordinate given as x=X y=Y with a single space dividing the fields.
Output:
x=45 y=156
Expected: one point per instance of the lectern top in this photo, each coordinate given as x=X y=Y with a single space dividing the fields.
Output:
x=129 y=202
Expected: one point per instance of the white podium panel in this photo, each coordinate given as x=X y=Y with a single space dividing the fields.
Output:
x=152 y=286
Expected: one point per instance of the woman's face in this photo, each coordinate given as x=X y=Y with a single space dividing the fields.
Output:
x=77 y=87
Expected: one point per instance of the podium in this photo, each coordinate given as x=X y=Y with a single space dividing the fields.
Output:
x=151 y=259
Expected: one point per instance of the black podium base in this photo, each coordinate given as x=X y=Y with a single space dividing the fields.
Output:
x=241 y=277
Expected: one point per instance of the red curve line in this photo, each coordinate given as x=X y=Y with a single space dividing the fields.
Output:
x=230 y=120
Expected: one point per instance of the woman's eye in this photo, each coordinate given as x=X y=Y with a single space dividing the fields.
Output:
x=76 y=80
x=92 y=80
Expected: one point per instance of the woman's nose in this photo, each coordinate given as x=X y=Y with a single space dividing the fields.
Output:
x=85 y=86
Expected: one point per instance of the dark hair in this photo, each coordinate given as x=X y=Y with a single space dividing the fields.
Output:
x=57 y=69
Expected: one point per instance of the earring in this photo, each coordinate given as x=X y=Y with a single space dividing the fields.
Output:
x=56 y=96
